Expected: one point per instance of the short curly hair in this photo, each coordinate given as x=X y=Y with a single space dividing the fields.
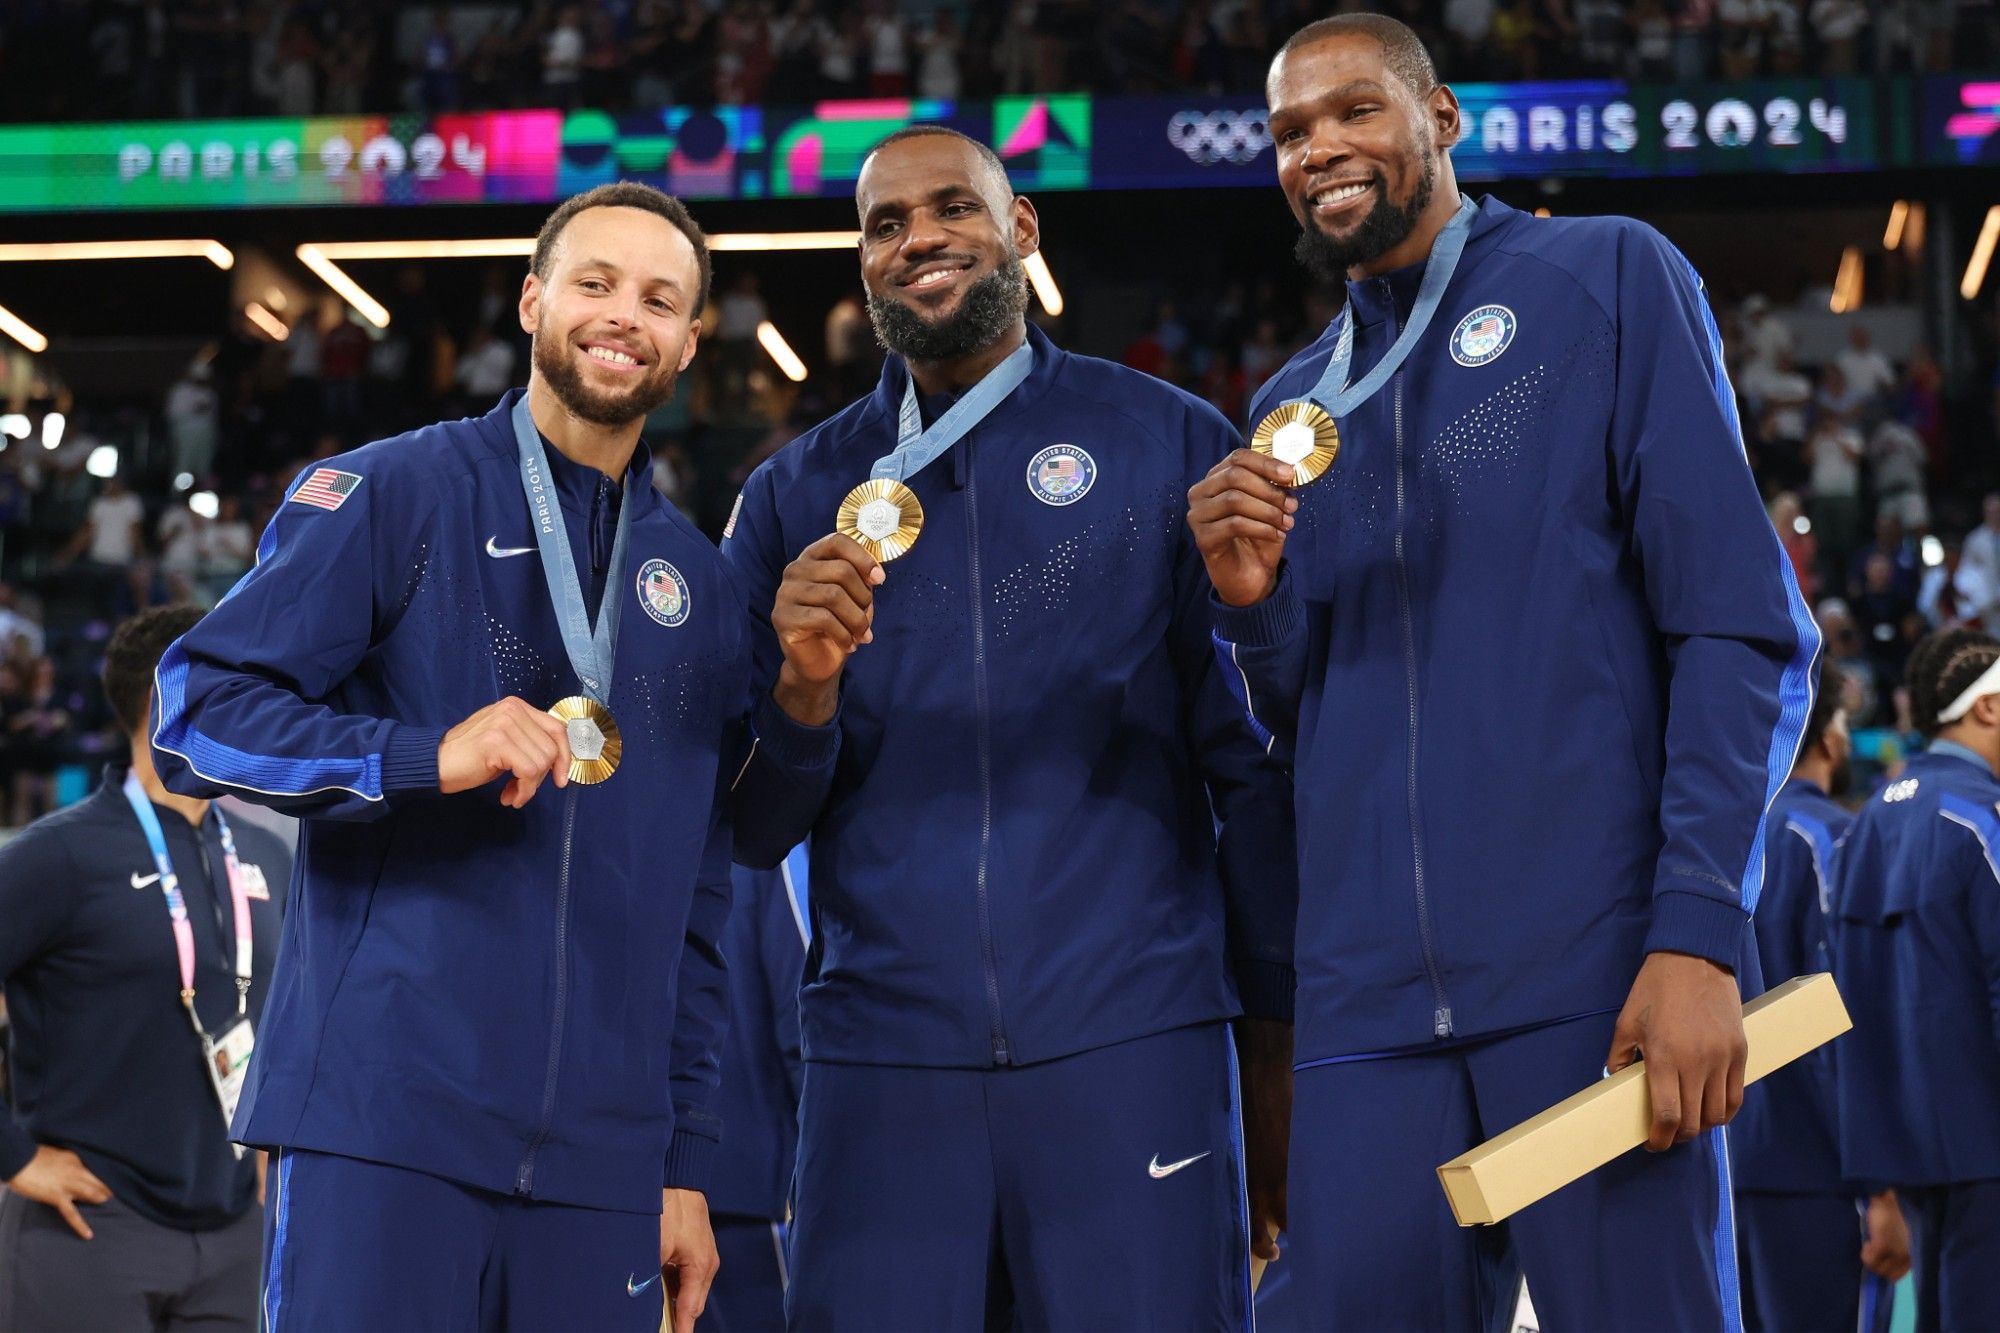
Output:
x=135 y=649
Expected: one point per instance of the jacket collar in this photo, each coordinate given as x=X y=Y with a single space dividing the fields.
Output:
x=1373 y=300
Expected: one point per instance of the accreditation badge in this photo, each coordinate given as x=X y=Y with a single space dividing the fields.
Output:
x=882 y=517
x=594 y=744
x=226 y=1055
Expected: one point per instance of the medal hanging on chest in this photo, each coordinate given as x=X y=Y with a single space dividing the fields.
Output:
x=1304 y=432
x=882 y=515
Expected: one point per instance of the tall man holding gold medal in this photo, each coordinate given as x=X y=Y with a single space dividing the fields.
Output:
x=1028 y=940
x=487 y=1063
x=1499 y=586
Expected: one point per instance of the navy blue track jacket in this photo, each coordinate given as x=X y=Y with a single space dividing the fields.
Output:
x=529 y=1001
x=1535 y=652
x=1782 y=1141
x=762 y=1076
x=1916 y=951
x=1016 y=855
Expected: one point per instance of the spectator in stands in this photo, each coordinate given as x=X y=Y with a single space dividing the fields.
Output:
x=191 y=410
x=127 y=1208
x=21 y=633
x=1867 y=371
x=938 y=52
x=1780 y=396
x=39 y=730
x=229 y=550
x=1745 y=28
x=105 y=552
x=437 y=80
x=1982 y=561
x=182 y=534
x=1838 y=25
x=1896 y=464
x=562 y=58
x=1833 y=452
x=1652 y=40
x=1846 y=649
x=485 y=370
x=1796 y=535
x=1950 y=595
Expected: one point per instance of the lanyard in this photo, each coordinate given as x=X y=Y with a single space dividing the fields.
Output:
x=591 y=655
x=1333 y=392
x=917 y=447
x=170 y=886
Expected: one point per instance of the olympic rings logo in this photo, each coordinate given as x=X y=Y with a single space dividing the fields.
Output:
x=1208 y=137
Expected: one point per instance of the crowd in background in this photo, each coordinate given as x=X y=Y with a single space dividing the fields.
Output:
x=117 y=59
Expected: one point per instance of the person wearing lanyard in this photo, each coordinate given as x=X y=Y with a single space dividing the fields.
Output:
x=137 y=933
x=1051 y=862
x=1500 y=586
x=501 y=680
x=1915 y=925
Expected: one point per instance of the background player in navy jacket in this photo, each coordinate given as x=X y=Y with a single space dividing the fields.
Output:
x=491 y=1055
x=759 y=1098
x=1019 y=1077
x=1813 y=1258
x=1916 y=950
x=125 y=1205
x=1540 y=538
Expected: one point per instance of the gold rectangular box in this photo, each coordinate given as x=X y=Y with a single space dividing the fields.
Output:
x=1581 y=1133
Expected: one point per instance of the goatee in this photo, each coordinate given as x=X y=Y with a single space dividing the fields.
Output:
x=1386 y=227
x=565 y=379
x=984 y=314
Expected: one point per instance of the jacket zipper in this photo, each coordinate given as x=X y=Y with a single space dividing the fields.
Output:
x=524 y=1178
x=983 y=727
x=1441 y=1012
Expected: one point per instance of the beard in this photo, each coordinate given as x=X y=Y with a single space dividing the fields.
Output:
x=1387 y=226
x=984 y=314
x=556 y=361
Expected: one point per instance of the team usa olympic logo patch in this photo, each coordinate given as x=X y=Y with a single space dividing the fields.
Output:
x=663 y=592
x=1061 y=474
x=1482 y=335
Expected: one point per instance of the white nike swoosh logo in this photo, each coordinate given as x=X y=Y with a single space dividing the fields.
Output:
x=632 y=1290
x=1158 y=1172
x=141 y=881
x=502 y=552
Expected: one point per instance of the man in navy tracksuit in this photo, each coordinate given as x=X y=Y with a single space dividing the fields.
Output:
x=1811 y=1258
x=765 y=944
x=1916 y=950
x=1019 y=1087
x=489 y=1056
x=1534 y=652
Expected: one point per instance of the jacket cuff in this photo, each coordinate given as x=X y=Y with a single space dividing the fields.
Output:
x=17 y=1148
x=1265 y=624
x=793 y=744
x=689 y=1156
x=410 y=760
x=1265 y=989
x=1694 y=923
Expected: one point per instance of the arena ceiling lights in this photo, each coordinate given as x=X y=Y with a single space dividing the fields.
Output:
x=26 y=334
x=323 y=258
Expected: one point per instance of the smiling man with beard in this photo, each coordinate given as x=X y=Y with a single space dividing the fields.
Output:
x=487 y=1064
x=1028 y=938
x=1537 y=660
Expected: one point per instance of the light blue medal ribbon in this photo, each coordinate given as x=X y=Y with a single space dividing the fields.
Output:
x=917 y=447
x=1333 y=393
x=590 y=654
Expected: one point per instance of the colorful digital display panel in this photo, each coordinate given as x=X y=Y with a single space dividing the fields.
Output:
x=491 y=157
x=1961 y=121
x=1062 y=142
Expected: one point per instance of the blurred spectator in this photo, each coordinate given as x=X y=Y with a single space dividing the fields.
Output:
x=438 y=82
x=938 y=47
x=1795 y=534
x=1949 y=595
x=1765 y=331
x=1838 y=25
x=1652 y=40
x=1893 y=545
x=37 y=730
x=485 y=369
x=109 y=545
x=1846 y=649
x=229 y=550
x=1896 y=464
x=191 y=420
x=1887 y=619
x=183 y=536
x=1982 y=563
x=343 y=358
x=562 y=58
x=1833 y=451
x=1867 y=372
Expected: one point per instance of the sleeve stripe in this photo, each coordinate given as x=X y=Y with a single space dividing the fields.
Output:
x=268 y=775
x=1238 y=682
x=795 y=891
x=1796 y=683
x=1975 y=819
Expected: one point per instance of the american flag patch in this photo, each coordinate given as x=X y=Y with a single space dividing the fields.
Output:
x=327 y=488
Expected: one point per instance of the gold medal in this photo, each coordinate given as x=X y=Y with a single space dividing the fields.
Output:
x=594 y=747
x=883 y=517
x=1301 y=434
